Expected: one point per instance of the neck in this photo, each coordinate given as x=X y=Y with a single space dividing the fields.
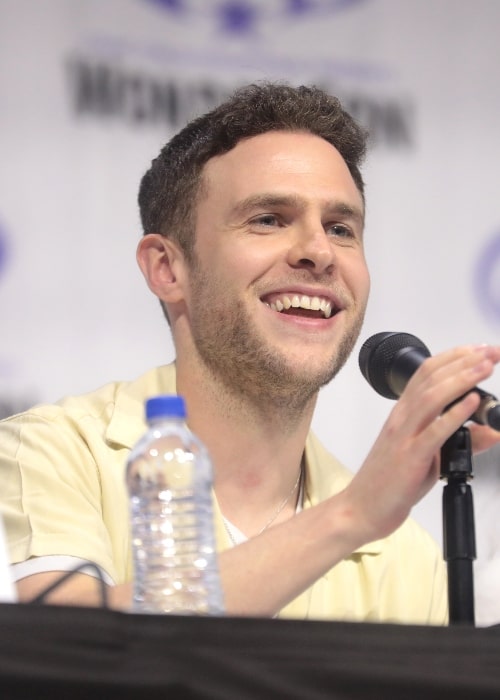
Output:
x=256 y=450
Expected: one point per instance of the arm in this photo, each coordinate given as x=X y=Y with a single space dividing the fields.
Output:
x=401 y=467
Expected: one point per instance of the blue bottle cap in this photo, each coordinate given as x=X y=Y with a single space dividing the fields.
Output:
x=164 y=406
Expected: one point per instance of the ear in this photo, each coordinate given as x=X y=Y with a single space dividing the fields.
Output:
x=163 y=265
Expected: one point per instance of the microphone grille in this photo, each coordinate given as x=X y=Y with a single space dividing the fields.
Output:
x=377 y=356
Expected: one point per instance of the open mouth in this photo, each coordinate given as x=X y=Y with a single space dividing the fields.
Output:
x=301 y=305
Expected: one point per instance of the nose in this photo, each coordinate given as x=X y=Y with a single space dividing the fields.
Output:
x=312 y=249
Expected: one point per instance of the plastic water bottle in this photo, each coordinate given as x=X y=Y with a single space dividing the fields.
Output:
x=169 y=480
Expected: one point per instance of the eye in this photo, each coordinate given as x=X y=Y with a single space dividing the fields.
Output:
x=340 y=230
x=265 y=221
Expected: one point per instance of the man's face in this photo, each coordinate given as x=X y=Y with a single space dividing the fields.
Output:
x=279 y=284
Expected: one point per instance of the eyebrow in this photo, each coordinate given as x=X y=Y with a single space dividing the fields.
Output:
x=265 y=201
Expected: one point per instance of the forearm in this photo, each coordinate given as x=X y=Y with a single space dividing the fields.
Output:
x=80 y=589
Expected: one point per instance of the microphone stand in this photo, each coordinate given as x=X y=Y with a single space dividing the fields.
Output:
x=458 y=526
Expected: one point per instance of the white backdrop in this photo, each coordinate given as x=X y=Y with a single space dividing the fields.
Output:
x=91 y=89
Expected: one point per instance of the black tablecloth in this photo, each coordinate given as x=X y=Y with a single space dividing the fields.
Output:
x=74 y=653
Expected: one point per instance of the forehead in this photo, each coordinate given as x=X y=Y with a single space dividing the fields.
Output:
x=280 y=161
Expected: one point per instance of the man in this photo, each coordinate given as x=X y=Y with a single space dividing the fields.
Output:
x=253 y=219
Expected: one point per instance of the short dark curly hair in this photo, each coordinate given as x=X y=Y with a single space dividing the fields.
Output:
x=169 y=189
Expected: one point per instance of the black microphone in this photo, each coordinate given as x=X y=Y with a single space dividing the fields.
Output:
x=388 y=360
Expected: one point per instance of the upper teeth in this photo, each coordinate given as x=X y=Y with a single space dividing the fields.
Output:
x=302 y=302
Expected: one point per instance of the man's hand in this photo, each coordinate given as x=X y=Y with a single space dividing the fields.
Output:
x=404 y=461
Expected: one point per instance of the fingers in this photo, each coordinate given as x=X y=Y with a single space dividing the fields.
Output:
x=441 y=381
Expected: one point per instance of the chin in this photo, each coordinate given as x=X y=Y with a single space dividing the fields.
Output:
x=308 y=380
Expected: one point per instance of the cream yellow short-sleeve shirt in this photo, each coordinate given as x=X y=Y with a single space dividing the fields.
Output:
x=62 y=492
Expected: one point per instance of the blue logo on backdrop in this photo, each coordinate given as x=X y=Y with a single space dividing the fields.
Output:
x=487 y=278
x=3 y=250
x=242 y=16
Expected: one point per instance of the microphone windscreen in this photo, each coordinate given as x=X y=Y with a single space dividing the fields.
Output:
x=378 y=355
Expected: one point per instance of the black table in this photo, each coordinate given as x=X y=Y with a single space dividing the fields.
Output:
x=74 y=653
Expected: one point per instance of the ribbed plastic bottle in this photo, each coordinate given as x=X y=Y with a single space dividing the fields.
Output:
x=169 y=479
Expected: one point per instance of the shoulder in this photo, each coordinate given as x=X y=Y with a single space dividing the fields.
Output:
x=115 y=409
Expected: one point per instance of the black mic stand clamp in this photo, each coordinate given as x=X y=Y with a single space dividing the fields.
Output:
x=458 y=526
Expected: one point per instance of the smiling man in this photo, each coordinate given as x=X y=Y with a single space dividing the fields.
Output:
x=253 y=242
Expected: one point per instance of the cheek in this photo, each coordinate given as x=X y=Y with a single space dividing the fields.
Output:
x=357 y=277
x=244 y=263
x=367 y=282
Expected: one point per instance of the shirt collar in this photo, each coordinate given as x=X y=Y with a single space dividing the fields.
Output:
x=127 y=422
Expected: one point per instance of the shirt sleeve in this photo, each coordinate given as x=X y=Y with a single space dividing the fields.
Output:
x=50 y=489
x=39 y=565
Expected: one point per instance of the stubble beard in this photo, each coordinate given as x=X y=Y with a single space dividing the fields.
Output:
x=237 y=355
